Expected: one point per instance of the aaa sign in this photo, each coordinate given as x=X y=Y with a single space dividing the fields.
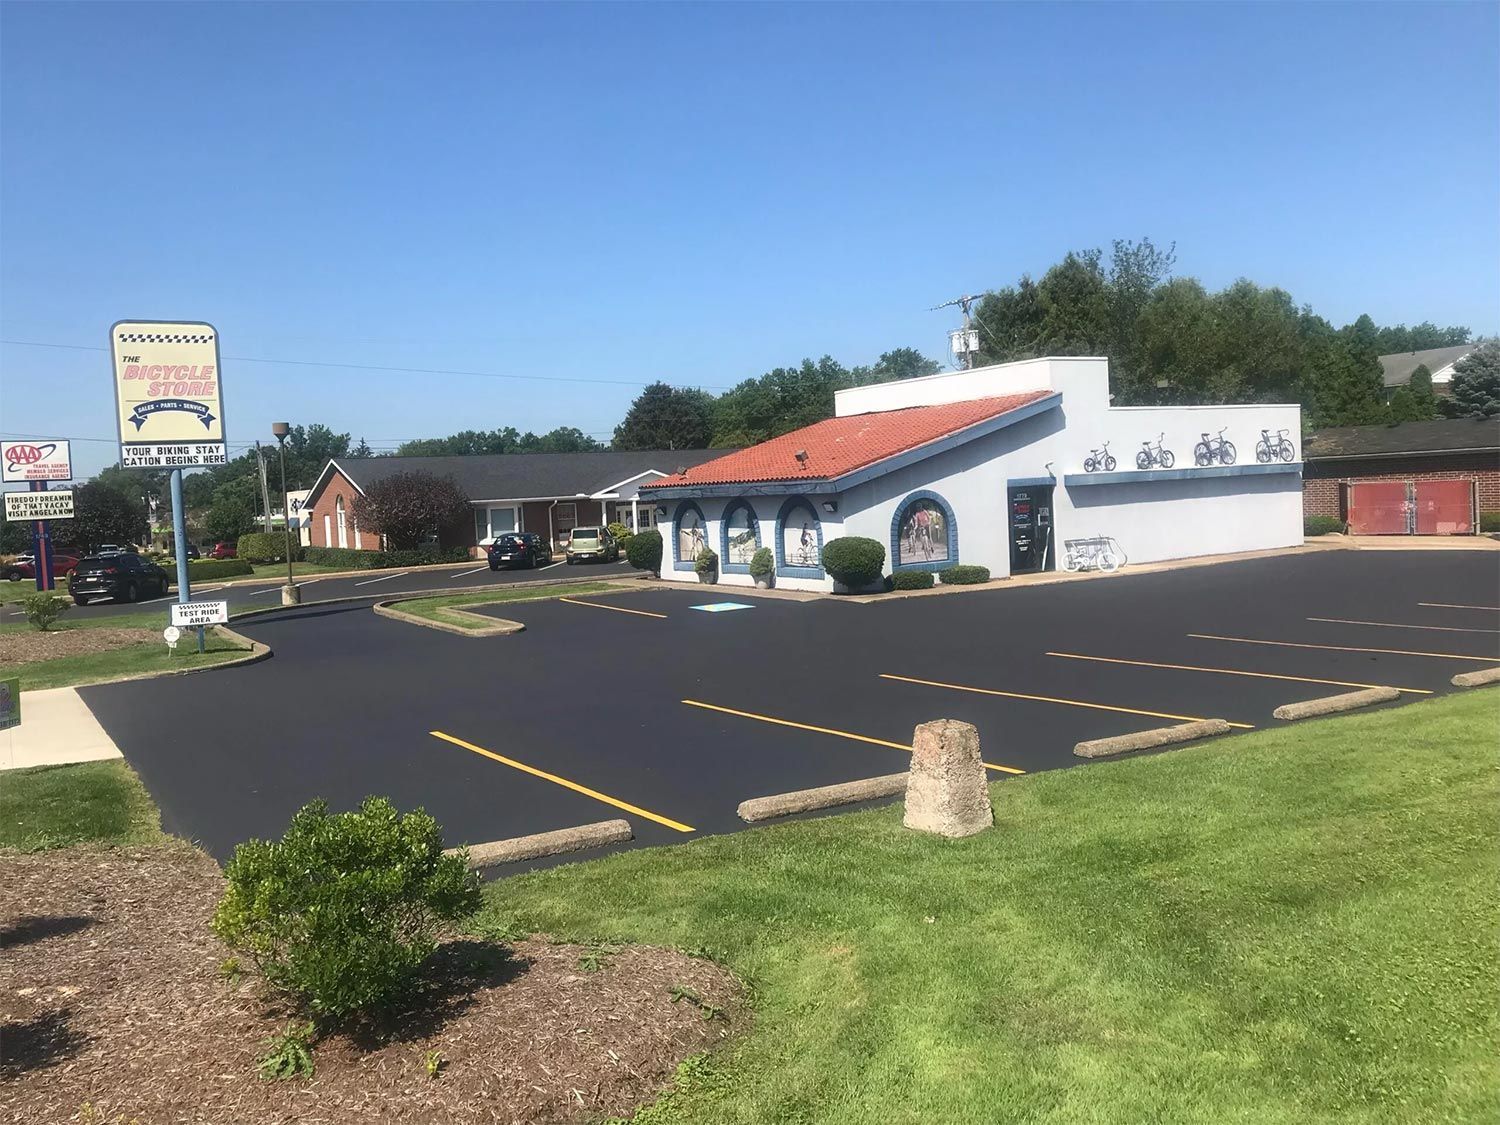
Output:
x=168 y=394
x=34 y=460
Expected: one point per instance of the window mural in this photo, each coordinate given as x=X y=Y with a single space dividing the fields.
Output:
x=922 y=535
x=690 y=535
x=800 y=533
x=741 y=536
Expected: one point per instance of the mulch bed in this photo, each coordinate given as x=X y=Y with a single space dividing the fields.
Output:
x=111 y=998
x=33 y=645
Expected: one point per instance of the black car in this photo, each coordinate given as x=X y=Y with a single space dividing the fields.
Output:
x=520 y=548
x=124 y=577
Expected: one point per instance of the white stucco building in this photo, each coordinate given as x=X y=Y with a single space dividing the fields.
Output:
x=987 y=466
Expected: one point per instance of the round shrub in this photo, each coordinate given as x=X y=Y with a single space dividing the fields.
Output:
x=707 y=561
x=644 y=550
x=854 y=561
x=964 y=575
x=912 y=580
x=1322 y=525
x=762 y=563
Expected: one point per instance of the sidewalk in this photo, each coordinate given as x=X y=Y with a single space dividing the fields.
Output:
x=56 y=729
x=1417 y=542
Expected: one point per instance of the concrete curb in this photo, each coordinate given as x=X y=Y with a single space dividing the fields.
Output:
x=542 y=844
x=487 y=627
x=1149 y=739
x=1476 y=679
x=1333 y=704
x=823 y=797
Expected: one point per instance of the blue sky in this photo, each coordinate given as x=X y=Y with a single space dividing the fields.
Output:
x=697 y=194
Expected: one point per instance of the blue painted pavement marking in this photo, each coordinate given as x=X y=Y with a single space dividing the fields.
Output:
x=721 y=607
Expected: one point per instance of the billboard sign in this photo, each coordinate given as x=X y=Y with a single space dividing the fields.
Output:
x=22 y=461
x=169 y=397
x=27 y=506
x=200 y=613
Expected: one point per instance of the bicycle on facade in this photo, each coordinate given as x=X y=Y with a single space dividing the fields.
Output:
x=1098 y=553
x=1155 y=455
x=1100 y=459
x=1268 y=448
x=1209 y=450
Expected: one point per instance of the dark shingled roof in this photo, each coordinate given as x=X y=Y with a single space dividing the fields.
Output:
x=1447 y=435
x=1396 y=369
x=517 y=476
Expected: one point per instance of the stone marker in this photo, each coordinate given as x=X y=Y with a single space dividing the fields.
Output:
x=947 y=793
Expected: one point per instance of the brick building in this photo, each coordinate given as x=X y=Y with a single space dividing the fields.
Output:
x=1411 y=478
x=546 y=493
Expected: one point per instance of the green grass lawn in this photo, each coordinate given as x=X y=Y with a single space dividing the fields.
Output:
x=54 y=806
x=432 y=608
x=71 y=671
x=1294 y=925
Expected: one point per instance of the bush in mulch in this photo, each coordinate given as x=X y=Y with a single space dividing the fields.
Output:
x=115 y=994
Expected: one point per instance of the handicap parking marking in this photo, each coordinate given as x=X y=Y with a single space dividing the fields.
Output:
x=1449 y=605
x=1395 y=625
x=721 y=607
x=1346 y=648
x=1231 y=672
x=613 y=608
x=1057 y=700
x=565 y=783
x=825 y=730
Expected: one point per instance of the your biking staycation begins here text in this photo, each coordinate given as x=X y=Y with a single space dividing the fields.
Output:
x=168 y=394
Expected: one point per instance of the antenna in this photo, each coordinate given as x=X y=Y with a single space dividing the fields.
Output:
x=963 y=342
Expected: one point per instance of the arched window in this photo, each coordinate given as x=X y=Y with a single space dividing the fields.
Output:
x=924 y=534
x=689 y=535
x=740 y=537
x=342 y=521
x=799 y=540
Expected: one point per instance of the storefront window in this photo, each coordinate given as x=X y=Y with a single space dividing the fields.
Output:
x=800 y=540
x=692 y=535
x=741 y=536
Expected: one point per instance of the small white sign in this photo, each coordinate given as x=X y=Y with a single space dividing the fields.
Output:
x=172 y=455
x=171 y=634
x=23 y=506
x=34 y=460
x=193 y=614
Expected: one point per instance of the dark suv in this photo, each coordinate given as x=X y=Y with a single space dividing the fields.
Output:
x=125 y=577
x=520 y=548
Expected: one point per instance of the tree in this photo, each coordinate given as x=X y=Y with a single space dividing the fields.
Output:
x=1346 y=384
x=898 y=363
x=1414 y=402
x=233 y=510
x=665 y=417
x=564 y=439
x=407 y=507
x=1475 y=389
x=362 y=449
x=1419 y=337
x=101 y=515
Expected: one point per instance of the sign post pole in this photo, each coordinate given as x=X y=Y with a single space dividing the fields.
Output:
x=179 y=541
x=41 y=546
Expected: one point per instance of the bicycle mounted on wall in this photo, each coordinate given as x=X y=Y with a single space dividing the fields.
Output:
x=1209 y=450
x=1268 y=448
x=1155 y=455
x=1100 y=459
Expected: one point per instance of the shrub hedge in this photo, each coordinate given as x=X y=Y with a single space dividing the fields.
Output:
x=1322 y=525
x=351 y=559
x=644 y=550
x=200 y=570
x=964 y=575
x=266 y=547
x=854 y=561
x=912 y=580
x=1489 y=522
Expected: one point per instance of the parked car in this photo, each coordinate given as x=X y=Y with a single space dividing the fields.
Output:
x=519 y=549
x=24 y=566
x=192 y=552
x=124 y=577
x=592 y=543
x=221 y=550
x=107 y=549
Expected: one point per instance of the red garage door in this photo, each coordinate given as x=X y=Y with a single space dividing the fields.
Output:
x=1444 y=507
x=1378 y=507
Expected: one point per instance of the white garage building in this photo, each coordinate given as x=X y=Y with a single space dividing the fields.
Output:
x=987 y=466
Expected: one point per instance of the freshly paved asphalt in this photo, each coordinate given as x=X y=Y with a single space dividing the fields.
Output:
x=346 y=705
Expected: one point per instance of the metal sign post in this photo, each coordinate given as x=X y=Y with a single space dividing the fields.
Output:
x=41 y=547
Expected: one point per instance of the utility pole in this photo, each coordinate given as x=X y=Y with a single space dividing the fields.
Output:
x=265 y=488
x=964 y=342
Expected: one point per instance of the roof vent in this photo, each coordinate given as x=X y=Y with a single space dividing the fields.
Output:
x=801 y=456
x=682 y=470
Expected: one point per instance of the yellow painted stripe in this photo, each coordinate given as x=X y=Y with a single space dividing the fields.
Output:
x=824 y=730
x=613 y=608
x=1346 y=648
x=564 y=782
x=1054 y=699
x=1394 y=625
x=1230 y=672
x=1448 y=605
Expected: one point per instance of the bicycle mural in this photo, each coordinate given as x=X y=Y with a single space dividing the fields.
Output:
x=800 y=534
x=923 y=534
x=690 y=535
x=742 y=535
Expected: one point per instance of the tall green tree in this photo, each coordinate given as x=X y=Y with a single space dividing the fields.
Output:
x=233 y=509
x=1416 y=401
x=1419 y=337
x=1475 y=389
x=101 y=514
x=507 y=439
x=666 y=417
x=781 y=400
x=898 y=363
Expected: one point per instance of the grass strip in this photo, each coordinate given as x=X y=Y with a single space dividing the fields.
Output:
x=432 y=608
x=92 y=802
x=88 y=668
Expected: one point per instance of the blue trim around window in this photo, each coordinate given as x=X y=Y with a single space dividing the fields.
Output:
x=782 y=569
x=682 y=509
x=724 y=564
x=952 y=525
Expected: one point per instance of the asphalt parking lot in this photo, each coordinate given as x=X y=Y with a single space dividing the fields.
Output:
x=640 y=705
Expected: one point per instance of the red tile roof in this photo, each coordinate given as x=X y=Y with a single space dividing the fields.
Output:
x=838 y=446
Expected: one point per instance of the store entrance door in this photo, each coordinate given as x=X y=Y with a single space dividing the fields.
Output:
x=1029 y=509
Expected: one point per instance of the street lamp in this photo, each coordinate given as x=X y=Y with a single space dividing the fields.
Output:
x=291 y=594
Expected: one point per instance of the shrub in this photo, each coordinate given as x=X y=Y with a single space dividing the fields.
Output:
x=1322 y=525
x=43 y=608
x=854 y=561
x=406 y=507
x=350 y=559
x=343 y=909
x=1489 y=522
x=912 y=580
x=644 y=550
x=762 y=563
x=201 y=570
x=621 y=535
x=964 y=575
x=707 y=561
x=266 y=547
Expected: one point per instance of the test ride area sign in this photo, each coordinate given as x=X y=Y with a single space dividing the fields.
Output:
x=168 y=396
x=27 y=506
x=24 y=461
x=193 y=614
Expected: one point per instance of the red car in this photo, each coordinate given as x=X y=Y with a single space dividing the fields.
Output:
x=222 y=551
x=25 y=567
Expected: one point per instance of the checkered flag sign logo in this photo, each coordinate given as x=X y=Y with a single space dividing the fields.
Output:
x=164 y=338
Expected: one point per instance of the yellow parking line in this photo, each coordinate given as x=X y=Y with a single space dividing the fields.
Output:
x=564 y=782
x=1230 y=672
x=1448 y=605
x=1346 y=648
x=1394 y=625
x=824 y=730
x=1054 y=699
x=614 y=608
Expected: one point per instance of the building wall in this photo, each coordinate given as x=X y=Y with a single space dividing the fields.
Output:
x=325 y=533
x=1322 y=486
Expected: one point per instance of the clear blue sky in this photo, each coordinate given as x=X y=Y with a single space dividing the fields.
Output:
x=697 y=194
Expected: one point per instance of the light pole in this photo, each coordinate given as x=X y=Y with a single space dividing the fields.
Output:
x=291 y=594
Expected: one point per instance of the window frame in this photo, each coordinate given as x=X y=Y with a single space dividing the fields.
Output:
x=682 y=509
x=783 y=569
x=734 y=506
x=952 y=524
